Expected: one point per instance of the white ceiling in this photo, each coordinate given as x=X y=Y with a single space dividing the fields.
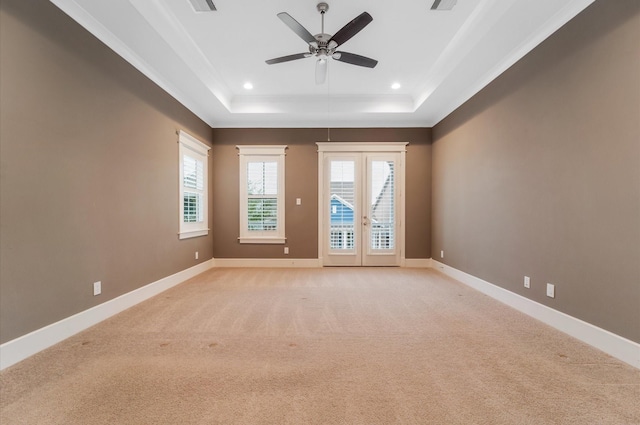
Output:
x=441 y=58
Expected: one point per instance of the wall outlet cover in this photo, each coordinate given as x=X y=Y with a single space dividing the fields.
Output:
x=551 y=290
x=97 y=288
x=527 y=282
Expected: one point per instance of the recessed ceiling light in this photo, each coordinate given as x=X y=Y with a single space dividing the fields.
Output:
x=248 y=86
x=395 y=86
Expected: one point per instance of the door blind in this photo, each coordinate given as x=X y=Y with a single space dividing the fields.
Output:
x=342 y=205
x=382 y=210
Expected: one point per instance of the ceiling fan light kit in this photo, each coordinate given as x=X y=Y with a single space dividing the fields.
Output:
x=323 y=46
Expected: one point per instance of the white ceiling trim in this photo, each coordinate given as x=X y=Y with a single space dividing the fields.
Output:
x=479 y=23
x=494 y=36
x=322 y=105
x=565 y=14
x=167 y=26
x=87 y=21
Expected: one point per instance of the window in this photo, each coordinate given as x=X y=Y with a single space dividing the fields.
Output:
x=261 y=194
x=341 y=239
x=193 y=171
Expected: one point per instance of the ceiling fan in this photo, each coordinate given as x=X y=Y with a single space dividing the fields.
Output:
x=323 y=46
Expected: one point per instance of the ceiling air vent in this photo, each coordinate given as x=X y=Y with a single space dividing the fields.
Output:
x=443 y=4
x=203 y=5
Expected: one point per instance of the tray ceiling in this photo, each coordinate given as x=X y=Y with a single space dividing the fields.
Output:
x=439 y=58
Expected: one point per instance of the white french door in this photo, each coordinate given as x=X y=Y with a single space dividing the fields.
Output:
x=361 y=205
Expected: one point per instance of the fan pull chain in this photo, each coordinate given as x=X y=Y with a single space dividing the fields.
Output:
x=328 y=100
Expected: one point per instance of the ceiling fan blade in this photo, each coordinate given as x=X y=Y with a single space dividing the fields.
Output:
x=321 y=71
x=354 y=59
x=351 y=29
x=297 y=28
x=287 y=58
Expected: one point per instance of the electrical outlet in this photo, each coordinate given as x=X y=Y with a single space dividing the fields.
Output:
x=286 y=250
x=551 y=290
x=196 y=255
x=298 y=201
x=97 y=288
x=441 y=254
x=527 y=282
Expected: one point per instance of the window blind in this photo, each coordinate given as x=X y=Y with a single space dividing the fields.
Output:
x=262 y=172
x=262 y=195
x=193 y=172
x=193 y=182
x=193 y=176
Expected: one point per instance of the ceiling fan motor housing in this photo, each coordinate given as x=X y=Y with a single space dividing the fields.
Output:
x=324 y=47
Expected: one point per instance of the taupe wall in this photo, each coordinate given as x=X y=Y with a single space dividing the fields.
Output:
x=539 y=174
x=89 y=167
x=301 y=173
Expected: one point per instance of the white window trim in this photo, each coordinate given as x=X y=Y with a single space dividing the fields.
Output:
x=362 y=146
x=188 y=144
x=251 y=153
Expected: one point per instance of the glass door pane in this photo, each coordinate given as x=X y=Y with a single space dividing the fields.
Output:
x=380 y=223
x=382 y=206
x=342 y=205
x=342 y=211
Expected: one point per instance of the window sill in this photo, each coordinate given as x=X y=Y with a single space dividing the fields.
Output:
x=193 y=234
x=264 y=240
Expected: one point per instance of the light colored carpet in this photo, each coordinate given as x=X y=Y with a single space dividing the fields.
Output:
x=320 y=346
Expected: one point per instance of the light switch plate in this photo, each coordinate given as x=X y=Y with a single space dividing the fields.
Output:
x=551 y=290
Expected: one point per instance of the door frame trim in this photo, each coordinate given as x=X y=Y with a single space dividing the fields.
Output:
x=363 y=147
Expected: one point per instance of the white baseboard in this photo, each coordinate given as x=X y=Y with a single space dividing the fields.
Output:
x=11 y=352
x=268 y=262
x=25 y=346
x=417 y=262
x=300 y=262
x=621 y=348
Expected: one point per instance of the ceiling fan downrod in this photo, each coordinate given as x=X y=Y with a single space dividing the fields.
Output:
x=322 y=51
x=322 y=8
